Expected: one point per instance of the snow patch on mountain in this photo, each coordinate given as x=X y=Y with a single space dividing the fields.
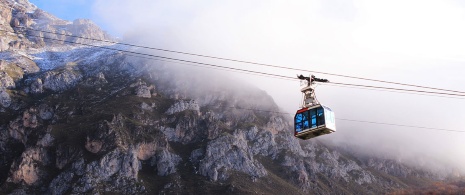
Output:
x=49 y=58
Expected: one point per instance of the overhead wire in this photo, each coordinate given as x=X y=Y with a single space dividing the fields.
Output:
x=161 y=57
x=137 y=54
x=395 y=89
x=249 y=62
x=361 y=121
x=373 y=89
x=145 y=55
x=400 y=125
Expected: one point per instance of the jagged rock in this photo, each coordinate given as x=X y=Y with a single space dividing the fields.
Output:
x=86 y=28
x=5 y=15
x=59 y=81
x=143 y=91
x=146 y=151
x=121 y=165
x=5 y=99
x=98 y=79
x=4 y=44
x=26 y=64
x=265 y=145
x=229 y=153
x=184 y=131
x=28 y=169
x=37 y=86
x=6 y=81
x=125 y=164
x=182 y=106
x=165 y=162
x=3 y=65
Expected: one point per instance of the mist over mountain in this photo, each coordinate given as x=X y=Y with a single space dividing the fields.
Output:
x=77 y=119
x=420 y=44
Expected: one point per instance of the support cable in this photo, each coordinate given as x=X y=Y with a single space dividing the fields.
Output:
x=247 y=62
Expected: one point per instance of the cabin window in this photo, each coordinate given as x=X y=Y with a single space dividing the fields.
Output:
x=298 y=122
x=320 y=116
x=305 y=120
x=313 y=117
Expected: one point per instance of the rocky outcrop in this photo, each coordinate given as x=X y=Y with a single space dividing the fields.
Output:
x=122 y=165
x=165 y=162
x=5 y=99
x=37 y=86
x=182 y=106
x=229 y=153
x=59 y=81
x=27 y=65
x=97 y=80
x=28 y=169
x=5 y=14
x=142 y=90
x=6 y=81
x=4 y=44
x=87 y=29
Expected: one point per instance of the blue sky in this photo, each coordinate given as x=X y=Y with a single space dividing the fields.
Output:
x=66 y=9
x=70 y=10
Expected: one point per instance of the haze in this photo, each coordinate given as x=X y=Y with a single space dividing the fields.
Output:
x=413 y=41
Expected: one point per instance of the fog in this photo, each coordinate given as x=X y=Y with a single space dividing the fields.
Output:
x=413 y=41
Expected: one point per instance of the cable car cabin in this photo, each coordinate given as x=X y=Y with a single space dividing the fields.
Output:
x=314 y=121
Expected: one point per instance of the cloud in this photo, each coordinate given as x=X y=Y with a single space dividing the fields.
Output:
x=413 y=41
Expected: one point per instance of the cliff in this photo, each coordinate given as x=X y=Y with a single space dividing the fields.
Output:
x=76 y=120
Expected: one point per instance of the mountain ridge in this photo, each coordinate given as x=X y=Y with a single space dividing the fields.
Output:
x=78 y=119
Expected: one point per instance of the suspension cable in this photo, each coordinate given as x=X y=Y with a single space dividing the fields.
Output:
x=231 y=68
x=247 y=62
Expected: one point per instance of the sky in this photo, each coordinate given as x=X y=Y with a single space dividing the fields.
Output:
x=408 y=41
x=71 y=10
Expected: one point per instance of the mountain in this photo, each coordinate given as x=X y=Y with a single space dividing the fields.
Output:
x=77 y=119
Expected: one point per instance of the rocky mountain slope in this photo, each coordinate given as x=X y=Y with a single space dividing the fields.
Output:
x=77 y=120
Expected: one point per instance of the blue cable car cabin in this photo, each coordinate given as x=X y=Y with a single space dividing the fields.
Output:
x=314 y=121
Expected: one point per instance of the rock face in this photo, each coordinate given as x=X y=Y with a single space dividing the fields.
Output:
x=59 y=81
x=6 y=81
x=182 y=106
x=220 y=157
x=5 y=99
x=93 y=122
x=43 y=29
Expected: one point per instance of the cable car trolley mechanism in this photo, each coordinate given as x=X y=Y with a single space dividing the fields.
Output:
x=313 y=119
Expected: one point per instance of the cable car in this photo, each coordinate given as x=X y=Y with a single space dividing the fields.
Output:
x=313 y=119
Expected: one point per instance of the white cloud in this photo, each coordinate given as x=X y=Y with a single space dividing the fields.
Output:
x=411 y=41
